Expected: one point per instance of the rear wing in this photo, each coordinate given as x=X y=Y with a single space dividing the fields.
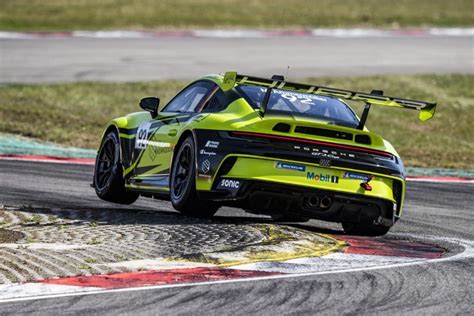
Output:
x=427 y=109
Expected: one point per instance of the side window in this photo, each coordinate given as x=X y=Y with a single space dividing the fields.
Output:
x=217 y=103
x=189 y=99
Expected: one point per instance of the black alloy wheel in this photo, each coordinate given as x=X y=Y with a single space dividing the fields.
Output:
x=108 y=179
x=106 y=162
x=183 y=193
x=182 y=174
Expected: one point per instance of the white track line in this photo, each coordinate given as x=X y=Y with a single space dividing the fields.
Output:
x=247 y=33
x=466 y=254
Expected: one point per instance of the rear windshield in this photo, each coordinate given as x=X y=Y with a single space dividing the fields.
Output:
x=281 y=101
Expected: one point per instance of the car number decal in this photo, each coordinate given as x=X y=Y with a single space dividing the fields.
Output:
x=141 y=141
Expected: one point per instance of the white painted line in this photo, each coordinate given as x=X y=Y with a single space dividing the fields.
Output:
x=468 y=253
x=108 y=34
x=230 y=33
x=452 y=31
x=158 y=264
x=331 y=262
x=247 y=33
x=46 y=246
x=19 y=291
x=351 y=33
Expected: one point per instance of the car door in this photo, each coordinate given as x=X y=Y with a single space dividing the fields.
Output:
x=156 y=138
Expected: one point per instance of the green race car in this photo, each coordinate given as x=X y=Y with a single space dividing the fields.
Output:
x=289 y=150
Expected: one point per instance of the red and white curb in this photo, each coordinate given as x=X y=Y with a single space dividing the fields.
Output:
x=318 y=32
x=62 y=160
x=91 y=161
x=363 y=254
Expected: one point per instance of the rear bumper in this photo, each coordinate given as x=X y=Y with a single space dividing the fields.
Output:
x=289 y=200
x=276 y=178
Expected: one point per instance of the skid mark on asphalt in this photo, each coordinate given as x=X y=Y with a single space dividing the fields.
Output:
x=387 y=247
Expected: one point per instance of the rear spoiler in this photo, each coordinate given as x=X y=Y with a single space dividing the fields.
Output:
x=427 y=109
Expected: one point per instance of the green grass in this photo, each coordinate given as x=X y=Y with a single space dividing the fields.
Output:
x=75 y=114
x=55 y=15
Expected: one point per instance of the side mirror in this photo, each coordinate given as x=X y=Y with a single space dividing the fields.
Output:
x=150 y=104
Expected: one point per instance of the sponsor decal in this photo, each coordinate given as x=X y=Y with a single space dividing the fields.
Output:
x=212 y=144
x=141 y=140
x=207 y=153
x=356 y=176
x=228 y=183
x=297 y=97
x=290 y=166
x=158 y=148
x=205 y=166
x=317 y=152
x=325 y=153
x=322 y=177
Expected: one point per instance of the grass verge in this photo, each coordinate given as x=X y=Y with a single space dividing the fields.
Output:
x=55 y=15
x=74 y=114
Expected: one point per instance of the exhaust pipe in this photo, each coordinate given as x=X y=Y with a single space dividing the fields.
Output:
x=326 y=202
x=313 y=201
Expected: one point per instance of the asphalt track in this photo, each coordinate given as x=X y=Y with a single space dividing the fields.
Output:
x=443 y=210
x=91 y=59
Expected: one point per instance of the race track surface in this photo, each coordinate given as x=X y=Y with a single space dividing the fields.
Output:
x=443 y=210
x=88 y=59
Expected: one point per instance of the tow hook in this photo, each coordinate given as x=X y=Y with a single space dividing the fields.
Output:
x=365 y=185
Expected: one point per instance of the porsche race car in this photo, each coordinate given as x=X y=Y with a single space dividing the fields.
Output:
x=288 y=150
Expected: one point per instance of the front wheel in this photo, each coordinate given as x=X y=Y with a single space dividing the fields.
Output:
x=183 y=193
x=364 y=229
x=109 y=184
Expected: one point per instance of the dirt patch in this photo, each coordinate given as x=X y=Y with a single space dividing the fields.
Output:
x=10 y=236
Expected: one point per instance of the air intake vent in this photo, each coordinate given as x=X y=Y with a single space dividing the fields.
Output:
x=363 y=139
x=323 y=132
x=282 y=127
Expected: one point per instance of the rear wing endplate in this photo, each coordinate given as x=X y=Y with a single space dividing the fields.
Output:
x=427 y=109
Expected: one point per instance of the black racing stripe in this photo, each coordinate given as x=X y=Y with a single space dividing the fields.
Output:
x=158 y=122
x=173 y=119
x=128 y=131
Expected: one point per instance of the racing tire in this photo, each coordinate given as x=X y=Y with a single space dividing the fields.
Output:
x=108 y=181
x=183 y=193
x=364 y=229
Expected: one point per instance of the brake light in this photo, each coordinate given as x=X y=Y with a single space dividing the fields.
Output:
x=315 y=142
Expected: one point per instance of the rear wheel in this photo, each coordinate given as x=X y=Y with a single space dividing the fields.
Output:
x=364 y=229
x=183 y=183
x=108 y=179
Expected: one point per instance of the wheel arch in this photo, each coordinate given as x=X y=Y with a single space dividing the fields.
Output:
x=112 y=127
x=185 y=134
